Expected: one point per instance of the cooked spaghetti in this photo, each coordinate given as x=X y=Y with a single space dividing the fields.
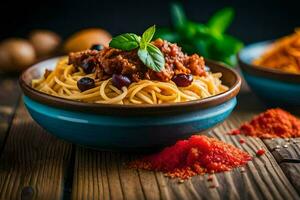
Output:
x=283 y=54
x=146 y=86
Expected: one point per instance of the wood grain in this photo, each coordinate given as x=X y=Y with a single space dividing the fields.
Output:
x=33 y=163
x=262 y=179
x=9 y=97
x=292 y=171
x=263 y=173
x=285 y=150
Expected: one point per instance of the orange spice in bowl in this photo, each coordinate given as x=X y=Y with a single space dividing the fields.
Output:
x=282 y=55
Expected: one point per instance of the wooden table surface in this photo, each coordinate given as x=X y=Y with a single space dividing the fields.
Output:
x=36 y=165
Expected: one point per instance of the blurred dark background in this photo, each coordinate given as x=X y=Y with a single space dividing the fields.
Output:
x=255 y=20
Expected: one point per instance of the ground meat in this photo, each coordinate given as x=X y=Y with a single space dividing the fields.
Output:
x=193 y=62
x=114 y=61
x=122 y=62
x=88 y=60
x=78 y=58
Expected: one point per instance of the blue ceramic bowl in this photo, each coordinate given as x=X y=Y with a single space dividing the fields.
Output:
x=126 y=127
x=274 y=87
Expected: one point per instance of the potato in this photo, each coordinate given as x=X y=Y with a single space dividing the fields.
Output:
x=84 y=39
x=16 y=54
x=44 y=42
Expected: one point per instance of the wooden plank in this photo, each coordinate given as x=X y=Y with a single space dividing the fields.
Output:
x=292 y=171
x=102 y=175
x=285 y=150
x=9 y=97
x=262 y=179
x=91 y=175
x=288 y=149
x=33 y=163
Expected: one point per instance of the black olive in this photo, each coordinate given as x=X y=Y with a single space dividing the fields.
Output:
x=120 y=81
x=183 y=80
x=88 y=66
x=85 y=83
x=97 y=47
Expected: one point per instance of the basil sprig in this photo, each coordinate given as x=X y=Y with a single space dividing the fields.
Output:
x=127 y=41
x=149 y=54
x=208 y=39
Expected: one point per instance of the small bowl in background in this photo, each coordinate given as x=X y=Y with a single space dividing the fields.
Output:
x=274 y=87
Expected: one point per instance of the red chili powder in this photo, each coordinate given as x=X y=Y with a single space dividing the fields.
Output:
x=260 y=152
x=197 y=155
x=242 y=141
x=272 y=123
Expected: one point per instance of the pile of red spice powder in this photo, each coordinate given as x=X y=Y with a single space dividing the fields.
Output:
x=197 y=155
x=271 y=124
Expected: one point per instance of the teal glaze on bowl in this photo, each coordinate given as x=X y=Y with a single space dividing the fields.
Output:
x=275 y=88
x=253 y=51
x=274 y=93
x=125 y=133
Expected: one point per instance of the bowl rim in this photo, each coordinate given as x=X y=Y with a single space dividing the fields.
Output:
x=131 y=110
x=264 y=71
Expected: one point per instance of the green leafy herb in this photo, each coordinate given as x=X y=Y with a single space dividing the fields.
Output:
x=127 y=41
x=147 y=36
x=152 y=56
x=149 y=54
x=167 y=34
x=221 y=20
x=208 y=39
x=178 y=15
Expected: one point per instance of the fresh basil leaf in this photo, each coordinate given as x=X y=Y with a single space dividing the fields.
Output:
x=229 y=45
x=152 y=57
x=188 y=47
x=127 y=41
x=194 y=30
x=167 y=34
x=201 y=46
x=200 y=28
x=224 y=49
x=221 y=20
x=189 y=30
x=148 y=35
x=177 y=16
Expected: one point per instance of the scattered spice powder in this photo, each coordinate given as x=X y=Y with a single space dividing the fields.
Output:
x=242 y=141
x=271 y=124
x=213 y=186
x=210 y=178
x=235 y=132
x=260 y=152
x=195 y=156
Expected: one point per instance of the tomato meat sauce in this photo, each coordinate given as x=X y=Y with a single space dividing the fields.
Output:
x=195 y=156
x=110 y=61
